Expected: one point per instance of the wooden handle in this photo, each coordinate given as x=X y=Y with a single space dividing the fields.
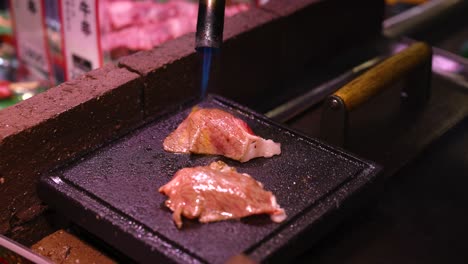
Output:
x=383 y=75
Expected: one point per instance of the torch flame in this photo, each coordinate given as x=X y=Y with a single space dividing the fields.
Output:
x=206 y=68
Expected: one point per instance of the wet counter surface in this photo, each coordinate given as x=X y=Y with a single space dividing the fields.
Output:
x=420 y=216
x=449 y=32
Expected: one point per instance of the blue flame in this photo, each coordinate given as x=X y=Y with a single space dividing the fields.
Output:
x=207 y=57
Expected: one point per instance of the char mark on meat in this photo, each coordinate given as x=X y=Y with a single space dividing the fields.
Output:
x=213 y=131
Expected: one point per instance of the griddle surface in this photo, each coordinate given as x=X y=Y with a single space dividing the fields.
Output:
x=113 y=192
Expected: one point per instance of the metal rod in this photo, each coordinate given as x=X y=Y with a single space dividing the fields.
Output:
x=301 y=103
x=415 y=17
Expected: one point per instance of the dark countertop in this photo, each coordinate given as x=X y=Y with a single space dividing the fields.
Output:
x=448 y=32
x=420 y=216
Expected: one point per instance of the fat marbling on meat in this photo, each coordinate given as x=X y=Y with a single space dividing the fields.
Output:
x=218 y=192
x=213 y=131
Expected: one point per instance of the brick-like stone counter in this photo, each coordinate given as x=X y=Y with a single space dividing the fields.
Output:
x=262 y=50
x=57 y=125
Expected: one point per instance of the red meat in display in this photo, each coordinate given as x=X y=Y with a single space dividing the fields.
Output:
x=142 y=25
x=218 y=192
x=213 y=131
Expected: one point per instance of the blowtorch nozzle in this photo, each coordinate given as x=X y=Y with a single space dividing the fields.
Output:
x=210 y=24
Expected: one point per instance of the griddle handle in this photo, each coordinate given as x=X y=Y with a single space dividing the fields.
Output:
x=413 y=64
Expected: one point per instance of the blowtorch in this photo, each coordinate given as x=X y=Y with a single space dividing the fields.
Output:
x=209 y=35
x=210 y=24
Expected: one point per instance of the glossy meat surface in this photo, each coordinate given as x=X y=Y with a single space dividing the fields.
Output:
x=213 y=131
x=218 y=192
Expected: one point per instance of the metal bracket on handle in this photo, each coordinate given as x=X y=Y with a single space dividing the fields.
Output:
x=413 y=65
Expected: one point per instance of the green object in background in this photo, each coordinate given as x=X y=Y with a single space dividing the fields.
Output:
x=18 y=97
x=10 y=101
x=464 y=49
x=5 y=24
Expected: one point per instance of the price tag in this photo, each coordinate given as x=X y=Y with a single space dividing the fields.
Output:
x=31 y=43
x=81 y=36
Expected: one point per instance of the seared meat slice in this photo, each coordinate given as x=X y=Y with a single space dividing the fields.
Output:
x=218 y=192
x=213 y=131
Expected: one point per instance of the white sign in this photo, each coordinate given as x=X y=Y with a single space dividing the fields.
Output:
x=31 y=42
x=81 y=36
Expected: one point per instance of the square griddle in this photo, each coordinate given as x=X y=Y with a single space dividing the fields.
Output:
x=113 y=192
